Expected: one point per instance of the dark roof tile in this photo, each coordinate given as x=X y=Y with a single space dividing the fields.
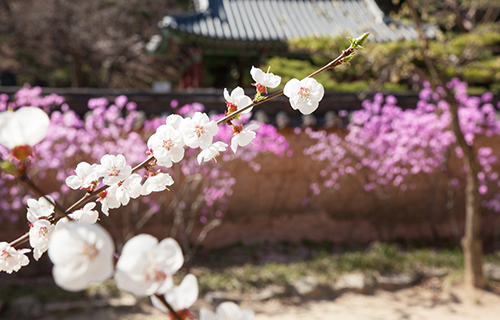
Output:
x=257 y=20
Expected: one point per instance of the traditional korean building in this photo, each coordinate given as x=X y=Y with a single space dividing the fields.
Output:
x=224 y=38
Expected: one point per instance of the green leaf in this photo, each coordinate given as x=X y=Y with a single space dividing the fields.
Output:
x=357 y=44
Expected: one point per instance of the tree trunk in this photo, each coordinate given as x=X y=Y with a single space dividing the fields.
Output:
x=471 y=242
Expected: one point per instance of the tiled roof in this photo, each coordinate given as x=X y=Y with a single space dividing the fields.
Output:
x=279 y=20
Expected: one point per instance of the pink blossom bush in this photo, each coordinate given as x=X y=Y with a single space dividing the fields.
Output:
x=118 y=128
x=387 y=145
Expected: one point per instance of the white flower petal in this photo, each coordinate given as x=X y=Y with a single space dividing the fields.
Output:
x=82 y=254
x=25 y=126
x=146 y=267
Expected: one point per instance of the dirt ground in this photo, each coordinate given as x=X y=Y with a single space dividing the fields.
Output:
x=412 y=304
x=420 y=302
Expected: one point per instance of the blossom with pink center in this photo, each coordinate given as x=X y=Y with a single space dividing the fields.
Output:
x=199 y=130
x=238 y=99
x=146 y=267
x=180 y=298
x=85 y=176
x=25 y=127
x=113 y=169
x=82 y=254
x=211 y=151
x=157 y=183
x=243 y=137
x=39 y=237
x=304 y=95
x=226 y=311
x=39 y=209
x=12 y=259
x=121 y=193
x=264 y=80
x=167 y=145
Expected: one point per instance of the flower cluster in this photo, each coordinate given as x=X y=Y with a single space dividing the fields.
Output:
x=388 y=145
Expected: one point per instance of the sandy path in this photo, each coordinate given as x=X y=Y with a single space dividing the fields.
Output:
x=411 y=304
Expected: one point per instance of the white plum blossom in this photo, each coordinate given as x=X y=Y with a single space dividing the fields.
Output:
x=12 y=259
x=146 y=267
x=25 y=126
x=157 y=183
x=120 y=193
x=199 y=130
x=305 y=94
x=85 y=215
x=167 y=144
x=82 y=254
x=238 y=98
x=113 y=169
x=85 y=175
x=243 y=137
x=226 y=311
x=39 y=209
x=180 y=298
x=264 y=79
x=174 y=120
x=211 y=151
x=39 y=237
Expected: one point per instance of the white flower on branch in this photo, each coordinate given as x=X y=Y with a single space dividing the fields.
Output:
x=39 y=237
x=157 y=183
x=39 y=209
x=226 y=311
x=238 y=99
x=85 y=215
x=180 y=298
x=199 y=130
x=85 y=175
x=113 y=169
x=167 y=144
x=211 y=151
x=263 y=80
x=243 y=137
x=25 y=127
x=146 y=267
x=120 y=193
x=12 y=259
x=304 y=95
x=82 y=254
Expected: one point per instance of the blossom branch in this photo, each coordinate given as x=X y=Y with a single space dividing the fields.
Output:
x=77 y=205
x=334 y=63
x=344 y=57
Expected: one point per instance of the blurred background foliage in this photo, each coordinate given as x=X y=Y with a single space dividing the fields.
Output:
x=467 y=45
x=97 y=43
